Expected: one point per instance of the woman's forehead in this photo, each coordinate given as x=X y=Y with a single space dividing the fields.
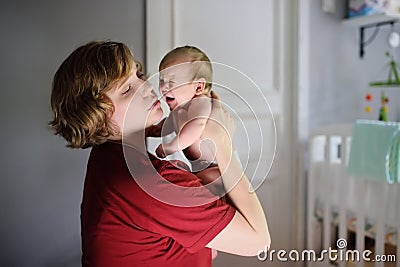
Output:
x=125 y=80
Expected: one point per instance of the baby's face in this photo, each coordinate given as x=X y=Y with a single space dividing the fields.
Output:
x=176 y=84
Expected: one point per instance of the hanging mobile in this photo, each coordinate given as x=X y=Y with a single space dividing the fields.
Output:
x=394 y=39
x=368 y=108
x=383 y=111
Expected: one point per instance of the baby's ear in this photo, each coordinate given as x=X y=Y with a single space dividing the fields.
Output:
x=200 y=86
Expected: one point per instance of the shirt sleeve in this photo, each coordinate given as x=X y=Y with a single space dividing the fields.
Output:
x=193 y=227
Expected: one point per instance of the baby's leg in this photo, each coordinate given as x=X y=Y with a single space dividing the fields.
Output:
x=208 y=176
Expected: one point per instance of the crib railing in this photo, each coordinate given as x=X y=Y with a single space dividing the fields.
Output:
x=347 y=213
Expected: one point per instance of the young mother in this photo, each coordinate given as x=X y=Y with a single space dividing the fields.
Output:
x=138 y=210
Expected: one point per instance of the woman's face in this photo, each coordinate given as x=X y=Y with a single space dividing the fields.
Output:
x=136 y=106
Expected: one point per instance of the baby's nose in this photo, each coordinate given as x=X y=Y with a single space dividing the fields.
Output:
x=164 y=90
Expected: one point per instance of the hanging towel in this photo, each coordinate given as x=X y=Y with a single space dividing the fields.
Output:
x=374 y=152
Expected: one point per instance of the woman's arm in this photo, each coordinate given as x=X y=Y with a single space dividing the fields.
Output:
x=248 y=232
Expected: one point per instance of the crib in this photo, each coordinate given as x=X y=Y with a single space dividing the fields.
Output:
x=348 y=213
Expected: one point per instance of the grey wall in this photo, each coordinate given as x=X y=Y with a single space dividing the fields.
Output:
x=41 y=180
x=338 y=77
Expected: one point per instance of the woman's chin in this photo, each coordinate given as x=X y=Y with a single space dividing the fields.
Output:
x=155 y=118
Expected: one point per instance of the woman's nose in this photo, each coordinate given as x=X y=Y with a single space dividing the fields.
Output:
x=148 y=89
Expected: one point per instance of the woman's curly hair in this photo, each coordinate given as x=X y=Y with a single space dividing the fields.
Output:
x=80 y=107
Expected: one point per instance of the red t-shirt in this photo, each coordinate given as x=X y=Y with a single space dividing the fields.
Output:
x=122 y=225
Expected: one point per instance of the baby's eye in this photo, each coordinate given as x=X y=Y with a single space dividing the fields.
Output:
x=164 y=82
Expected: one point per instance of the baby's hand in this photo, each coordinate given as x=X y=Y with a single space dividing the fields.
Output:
x=160 y=151
x=214 y=253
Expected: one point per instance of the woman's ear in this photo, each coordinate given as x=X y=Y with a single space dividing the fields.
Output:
x=200 y=86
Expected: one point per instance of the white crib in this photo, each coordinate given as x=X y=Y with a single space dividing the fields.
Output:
x=364 y=213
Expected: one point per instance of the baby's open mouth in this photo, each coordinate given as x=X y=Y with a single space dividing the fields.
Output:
x=169 y=99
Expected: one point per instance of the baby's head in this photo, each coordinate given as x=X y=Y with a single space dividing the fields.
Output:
x=185 y=72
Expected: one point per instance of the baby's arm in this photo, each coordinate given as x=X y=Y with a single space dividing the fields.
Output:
x=191 y=129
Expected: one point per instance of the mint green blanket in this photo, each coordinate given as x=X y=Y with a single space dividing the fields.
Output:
x=374 y=152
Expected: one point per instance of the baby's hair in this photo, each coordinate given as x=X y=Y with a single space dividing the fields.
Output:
x=202 y=68
x=80 y=107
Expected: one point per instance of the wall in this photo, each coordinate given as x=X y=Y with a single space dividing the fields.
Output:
x=41 y=180
x=338 y=77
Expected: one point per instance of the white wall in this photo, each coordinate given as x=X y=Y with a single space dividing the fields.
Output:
x=41 y=180
x=338 y=77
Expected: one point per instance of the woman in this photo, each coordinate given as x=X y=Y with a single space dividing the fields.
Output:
x=138 y=210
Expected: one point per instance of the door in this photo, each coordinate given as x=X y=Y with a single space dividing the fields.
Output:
x=253 y=45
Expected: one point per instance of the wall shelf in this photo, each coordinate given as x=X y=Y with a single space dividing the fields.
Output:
x=371 y=21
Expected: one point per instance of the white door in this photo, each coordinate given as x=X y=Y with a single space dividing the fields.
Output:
x=255 y=39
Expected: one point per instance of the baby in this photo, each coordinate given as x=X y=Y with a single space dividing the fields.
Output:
x=185 y=85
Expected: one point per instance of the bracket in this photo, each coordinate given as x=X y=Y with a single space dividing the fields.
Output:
x=363 y=43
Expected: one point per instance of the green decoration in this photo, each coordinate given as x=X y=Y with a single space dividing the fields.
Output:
x=393 y=77
x=383 y=111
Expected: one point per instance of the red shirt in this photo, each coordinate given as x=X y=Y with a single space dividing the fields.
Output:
x=122 y=225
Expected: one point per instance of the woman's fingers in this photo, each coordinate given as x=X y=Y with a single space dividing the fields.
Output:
x=214 y=95
x=220 y=122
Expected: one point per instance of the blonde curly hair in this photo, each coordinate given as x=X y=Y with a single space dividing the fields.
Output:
x=80 y=107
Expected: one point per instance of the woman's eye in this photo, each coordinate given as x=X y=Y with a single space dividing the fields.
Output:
x=127 y=90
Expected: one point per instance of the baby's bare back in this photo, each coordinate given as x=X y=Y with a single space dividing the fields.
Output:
x=200 y=149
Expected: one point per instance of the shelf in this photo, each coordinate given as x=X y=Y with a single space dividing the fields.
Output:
x=371 y=19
